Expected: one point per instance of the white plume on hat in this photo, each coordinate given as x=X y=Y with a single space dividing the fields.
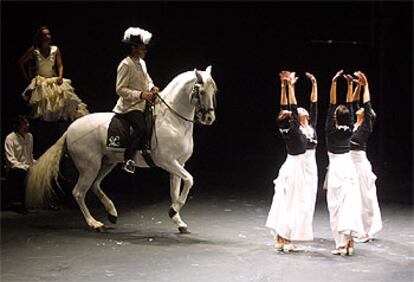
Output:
x=136 y=31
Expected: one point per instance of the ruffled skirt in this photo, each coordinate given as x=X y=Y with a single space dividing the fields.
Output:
x=293 y=205
x=344 y=199
x=53 y=102
x=371 y=214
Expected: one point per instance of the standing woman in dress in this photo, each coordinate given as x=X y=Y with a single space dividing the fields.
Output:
x=343 y=195
x=51 y=96
x=371 y=214
x=290 y=216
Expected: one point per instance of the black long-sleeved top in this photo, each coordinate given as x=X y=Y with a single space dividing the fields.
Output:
x=361 y=134
x=294 y=139
x=338 y=139
x=312 y=141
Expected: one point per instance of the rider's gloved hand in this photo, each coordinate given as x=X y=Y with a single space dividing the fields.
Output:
x=147 y=95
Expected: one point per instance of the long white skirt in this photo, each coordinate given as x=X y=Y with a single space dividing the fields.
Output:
x=293 y=205
x=53 y=102
x=344 y=199
x=371 y=214
x=311 y=177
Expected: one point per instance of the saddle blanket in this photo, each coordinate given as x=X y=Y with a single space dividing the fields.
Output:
x=119 y=133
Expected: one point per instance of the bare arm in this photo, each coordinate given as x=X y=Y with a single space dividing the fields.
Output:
x=283 y=97
x=350 y=83
x=23 y=62
x=313 y=109
x=357 y=91
x=366 y=97
x=333 y=87
x=59 y=65
x=283 y=79
x=291 y=86
x=314 y=93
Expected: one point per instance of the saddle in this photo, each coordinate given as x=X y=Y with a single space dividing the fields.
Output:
x=120 y=132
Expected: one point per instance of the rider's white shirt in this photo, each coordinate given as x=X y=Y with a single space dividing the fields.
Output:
x=132 y=79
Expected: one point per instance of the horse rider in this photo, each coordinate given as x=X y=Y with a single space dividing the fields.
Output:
x=135 y=88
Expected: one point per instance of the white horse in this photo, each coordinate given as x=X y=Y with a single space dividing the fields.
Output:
x=190 y=94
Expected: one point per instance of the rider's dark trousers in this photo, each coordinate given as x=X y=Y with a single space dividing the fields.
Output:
x=137 y=120
x=16 y=179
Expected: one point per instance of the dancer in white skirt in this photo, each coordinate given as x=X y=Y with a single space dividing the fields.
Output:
x=291 y=213
x=308 y=121
x=51 y=96
x=343 y=195
x=371 y=214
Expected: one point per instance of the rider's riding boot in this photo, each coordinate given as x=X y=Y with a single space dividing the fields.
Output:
x=146 y=148
x=129 y=166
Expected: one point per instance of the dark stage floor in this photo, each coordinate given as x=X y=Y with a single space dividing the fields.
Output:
x=228 y=243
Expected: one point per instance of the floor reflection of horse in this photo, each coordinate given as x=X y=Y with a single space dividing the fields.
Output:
x=189 y=94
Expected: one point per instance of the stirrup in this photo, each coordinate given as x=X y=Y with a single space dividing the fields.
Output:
x=129 y=166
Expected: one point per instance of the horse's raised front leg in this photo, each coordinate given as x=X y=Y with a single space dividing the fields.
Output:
x=85 y=180
x=96 y=188
x=178 y=173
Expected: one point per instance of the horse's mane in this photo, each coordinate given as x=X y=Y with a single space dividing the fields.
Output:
x=178 y=81
x=184 y=78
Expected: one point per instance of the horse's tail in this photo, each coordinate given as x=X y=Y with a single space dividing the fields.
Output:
x=39 y=187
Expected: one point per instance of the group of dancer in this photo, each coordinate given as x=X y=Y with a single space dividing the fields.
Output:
x=351 y=192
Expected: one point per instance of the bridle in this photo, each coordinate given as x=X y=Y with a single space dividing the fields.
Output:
x=195 y=99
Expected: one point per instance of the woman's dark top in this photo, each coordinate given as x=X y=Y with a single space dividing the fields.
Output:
x=338 y=139
x=294 y=139
x=361 y=134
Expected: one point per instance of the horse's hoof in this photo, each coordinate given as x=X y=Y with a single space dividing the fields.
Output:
x=171 y=213
x=112 y=218
x=100 y=229
x=184 y=230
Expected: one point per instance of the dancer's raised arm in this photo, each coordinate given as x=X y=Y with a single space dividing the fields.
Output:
x=350 y=84
x=284 y=77
x=366 y=97
x=357 y=92
x=314 y=93
x=330 y=117
x=314 y=99
x=367 y=114
x=349 y=96
x=291 y=85
x=333 y=87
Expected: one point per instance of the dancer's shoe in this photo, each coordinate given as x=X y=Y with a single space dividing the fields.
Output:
x=290 y=248
x=340 y=251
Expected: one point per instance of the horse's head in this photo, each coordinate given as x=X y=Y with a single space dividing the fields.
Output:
x=204 y=96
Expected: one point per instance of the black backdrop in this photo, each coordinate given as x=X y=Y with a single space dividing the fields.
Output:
x=247 y=43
